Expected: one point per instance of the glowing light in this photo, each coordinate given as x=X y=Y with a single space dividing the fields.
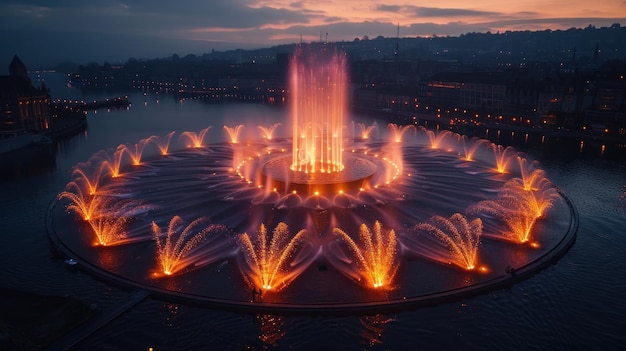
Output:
x=456 y=234
x=90 y=181
x=234 y=133
x=503 y=155
x=109 y=230
x=174 y=245
x=377 y=256
x=196 y=139
x=366 y=131
x=398 y=131
x=164 y=144
x=136 y=151
x=318 y=108
x=267 y=259
x=268 y=132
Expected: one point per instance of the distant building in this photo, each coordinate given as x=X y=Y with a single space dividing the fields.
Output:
x=478 y=92
x=23 y=107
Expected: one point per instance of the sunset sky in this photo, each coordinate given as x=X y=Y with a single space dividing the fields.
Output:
x=43 y=31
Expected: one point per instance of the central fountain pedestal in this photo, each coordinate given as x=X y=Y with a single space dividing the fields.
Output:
x=353 y=178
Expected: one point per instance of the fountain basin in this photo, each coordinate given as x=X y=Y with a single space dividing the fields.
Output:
x=192 y=183
x=352 y=179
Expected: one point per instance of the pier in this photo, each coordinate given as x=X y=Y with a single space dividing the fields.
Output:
x=72 y=105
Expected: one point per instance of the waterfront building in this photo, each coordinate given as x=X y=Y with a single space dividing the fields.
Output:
x=24 y=108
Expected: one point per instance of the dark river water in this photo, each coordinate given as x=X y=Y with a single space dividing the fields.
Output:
x=576 y=304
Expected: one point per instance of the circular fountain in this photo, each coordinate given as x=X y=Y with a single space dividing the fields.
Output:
x=328 y=219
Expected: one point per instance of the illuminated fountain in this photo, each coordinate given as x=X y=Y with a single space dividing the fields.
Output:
x=412 y=217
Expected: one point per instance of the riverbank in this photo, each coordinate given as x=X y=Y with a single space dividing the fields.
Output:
x=462 y=126
x=67 y=125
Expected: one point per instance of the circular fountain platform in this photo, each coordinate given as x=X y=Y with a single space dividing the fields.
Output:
x=200 y=182
x=357 y=172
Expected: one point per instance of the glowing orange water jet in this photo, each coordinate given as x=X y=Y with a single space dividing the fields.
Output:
x=532 y=177
x=516 y=218
x=113 y=161
x=377 y=258
x=397 y=131
x=366 y=131
x=459 y=236
x=196 y=140
x=164 y=144
x=436 y=138
x=174 y=245
x=268 y=258
x=90 y=181
x=233 y=133
x=136 y=151
x=109 y=230
x=503 y=155
x=268 y=132
x=319 y=88
x=82 y=203
x=471 y=146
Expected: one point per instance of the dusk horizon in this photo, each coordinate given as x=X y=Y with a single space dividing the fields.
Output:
x=43 y=34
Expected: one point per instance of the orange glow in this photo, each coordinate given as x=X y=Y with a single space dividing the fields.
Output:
x=164 y=144
x=456 y=234
x=268 y=132
x=398 y=131
x=366 y=132
x=503 y=156
x=109 y=230
x=83 y=204
x=267 y=258
x=196 y=140
x=318 y=110
x=471 y=146
x=174 y=245
x=91 y=181
x=378 y=255
x=136 y=151
x=113 y=162
x=520 y=202
x=233 y=133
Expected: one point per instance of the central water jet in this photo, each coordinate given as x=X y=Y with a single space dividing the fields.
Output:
x=319 y=87
x=318 y=105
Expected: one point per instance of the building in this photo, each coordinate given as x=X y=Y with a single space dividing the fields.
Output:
x=24 y=108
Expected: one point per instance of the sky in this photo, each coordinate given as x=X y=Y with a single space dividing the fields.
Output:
x=46 y=32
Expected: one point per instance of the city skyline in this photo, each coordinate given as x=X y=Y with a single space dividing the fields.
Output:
x=81 y=31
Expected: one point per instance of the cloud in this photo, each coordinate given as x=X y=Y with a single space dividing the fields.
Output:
x=435 y=11
x=117 y=29
x=443 y=12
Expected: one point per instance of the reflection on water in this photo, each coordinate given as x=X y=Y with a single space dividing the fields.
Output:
x=373 y=328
